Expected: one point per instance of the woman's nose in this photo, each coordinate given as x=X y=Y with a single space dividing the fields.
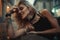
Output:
x=19 y=11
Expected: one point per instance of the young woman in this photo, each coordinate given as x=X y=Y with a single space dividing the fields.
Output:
x=28 y=23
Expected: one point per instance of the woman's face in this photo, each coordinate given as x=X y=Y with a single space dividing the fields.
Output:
x=23 y=10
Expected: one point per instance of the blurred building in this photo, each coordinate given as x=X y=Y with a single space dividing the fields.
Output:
x=47 y=4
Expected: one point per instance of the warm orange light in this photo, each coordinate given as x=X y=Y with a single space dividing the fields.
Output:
x=7 y=9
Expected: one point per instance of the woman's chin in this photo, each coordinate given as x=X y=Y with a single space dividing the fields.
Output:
x=23 y=18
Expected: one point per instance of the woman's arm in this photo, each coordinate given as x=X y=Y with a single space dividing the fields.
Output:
x=50 y=18
x=13 y=34
x=55 y=27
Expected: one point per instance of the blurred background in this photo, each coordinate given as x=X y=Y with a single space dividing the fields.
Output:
x=52 y=5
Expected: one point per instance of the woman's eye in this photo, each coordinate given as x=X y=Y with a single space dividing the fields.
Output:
x=21 y=8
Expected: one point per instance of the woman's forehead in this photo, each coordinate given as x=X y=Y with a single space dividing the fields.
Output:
x=24 y=6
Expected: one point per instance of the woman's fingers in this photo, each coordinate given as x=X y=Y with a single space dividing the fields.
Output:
x=32 y=32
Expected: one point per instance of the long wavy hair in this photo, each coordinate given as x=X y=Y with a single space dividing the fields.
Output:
x=27 y=20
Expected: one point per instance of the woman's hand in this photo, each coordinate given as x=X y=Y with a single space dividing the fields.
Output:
x=30 y=27
x=35 y=32
x=32 y=32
